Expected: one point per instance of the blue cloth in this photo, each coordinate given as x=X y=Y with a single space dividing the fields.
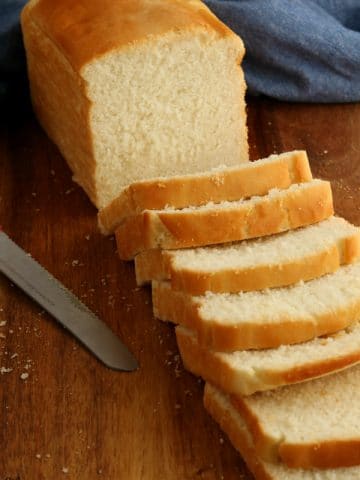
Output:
x=297 y=50
x=14 y=96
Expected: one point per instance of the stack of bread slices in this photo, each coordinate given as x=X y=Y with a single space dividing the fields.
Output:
x=263 y=283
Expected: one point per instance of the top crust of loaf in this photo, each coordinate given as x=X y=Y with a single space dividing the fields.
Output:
x=87 y=29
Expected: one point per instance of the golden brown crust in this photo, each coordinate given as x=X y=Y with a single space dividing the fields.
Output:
x=185 y=310
x=61 y=120
x=108 y=217
x=168 y=308
x=207 y=364
x=173 y=229
x=319 y=203
x=319 y=369
x=138 y=226
x=265 y=446
x=258 y=278
x=300 y=171
x=194 y=228
x=351 y=249
x=240 y=438
x=152 y=265
x=223 y=185
x=327 y=454
x=204 y=363
x=119 y=24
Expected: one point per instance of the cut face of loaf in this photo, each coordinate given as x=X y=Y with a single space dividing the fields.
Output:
x=247 y=371
x=274 y=261
x=268 y=318
x=280 y=210
x=216 y=185
x=232 y=423
x=130 y=90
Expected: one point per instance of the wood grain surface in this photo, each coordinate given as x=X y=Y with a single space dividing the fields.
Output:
x=73 y=418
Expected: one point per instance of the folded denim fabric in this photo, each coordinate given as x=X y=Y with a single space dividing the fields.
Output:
x=298 y=50
x=13 y=84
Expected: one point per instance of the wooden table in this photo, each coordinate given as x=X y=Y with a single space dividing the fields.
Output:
x=72 y=418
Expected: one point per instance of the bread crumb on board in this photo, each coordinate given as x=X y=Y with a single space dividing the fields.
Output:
x=5 y=370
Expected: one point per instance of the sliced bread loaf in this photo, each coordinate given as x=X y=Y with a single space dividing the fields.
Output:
x=280 y=210
x=268 y=318
x=274 y=261
x=232 y=423
x=138 y=88
x=217 y=185
x=247 y=371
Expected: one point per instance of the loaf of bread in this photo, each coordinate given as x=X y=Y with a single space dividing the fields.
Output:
x=216 y=185
x=280 y=210
x=248 y=371
x=267 y=318
x=274 y=261
x=135 y=89
x=233 y=424
x=142 y=95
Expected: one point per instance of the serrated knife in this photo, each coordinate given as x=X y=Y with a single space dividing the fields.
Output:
x=40 y=285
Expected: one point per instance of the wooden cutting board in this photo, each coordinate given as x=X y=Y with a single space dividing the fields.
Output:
x=64 y=415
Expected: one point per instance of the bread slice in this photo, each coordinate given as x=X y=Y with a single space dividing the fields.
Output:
x=275 y=261
x=232 y=423
x=268 y=318
x=280 y=210
x=216 y=185
x=247 y=371
x=138 y=89
x=313 y=424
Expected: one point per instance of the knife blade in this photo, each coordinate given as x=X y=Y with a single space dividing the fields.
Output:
x=63 y=305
